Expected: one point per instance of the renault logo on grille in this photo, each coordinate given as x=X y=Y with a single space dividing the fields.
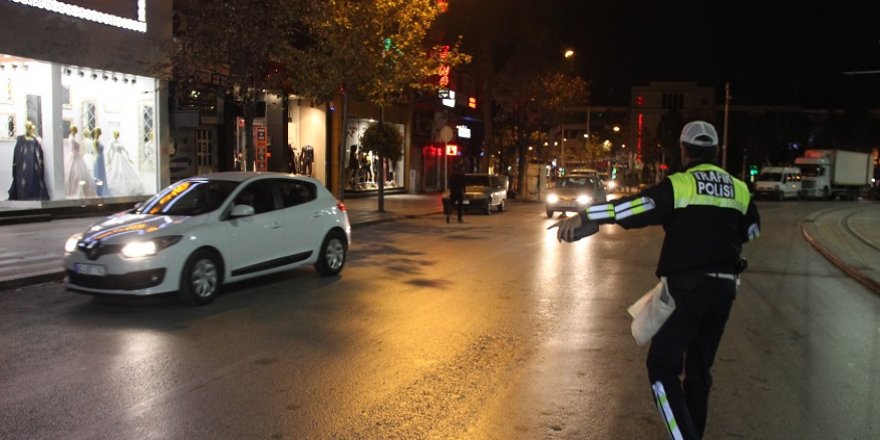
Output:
x=92 y=249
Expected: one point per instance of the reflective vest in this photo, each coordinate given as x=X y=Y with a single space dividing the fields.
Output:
x=709 y=185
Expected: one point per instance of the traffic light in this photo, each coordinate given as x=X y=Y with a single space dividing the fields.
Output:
x=753 y=170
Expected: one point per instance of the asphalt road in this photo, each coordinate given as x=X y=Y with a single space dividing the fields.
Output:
x=486 y=330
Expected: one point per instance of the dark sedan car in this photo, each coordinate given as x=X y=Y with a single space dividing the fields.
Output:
x=574 y=193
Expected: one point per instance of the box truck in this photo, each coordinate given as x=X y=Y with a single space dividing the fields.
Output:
x=831 y=173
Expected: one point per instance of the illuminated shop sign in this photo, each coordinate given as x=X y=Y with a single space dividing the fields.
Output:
x=125 y=14
x=464 y=131
x=449 y=100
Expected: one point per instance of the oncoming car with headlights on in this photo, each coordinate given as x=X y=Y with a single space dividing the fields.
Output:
x=205 y=231
x=573 y=193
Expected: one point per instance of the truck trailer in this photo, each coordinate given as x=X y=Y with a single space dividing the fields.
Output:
x=832 y=173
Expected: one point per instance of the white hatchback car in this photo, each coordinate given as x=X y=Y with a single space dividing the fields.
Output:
x=205 y=231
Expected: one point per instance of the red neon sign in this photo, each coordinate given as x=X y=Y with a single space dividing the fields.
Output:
x=639 y=143
x=443 y=71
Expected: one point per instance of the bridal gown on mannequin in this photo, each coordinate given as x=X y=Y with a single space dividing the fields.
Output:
x=78 y=179
x=121 y=175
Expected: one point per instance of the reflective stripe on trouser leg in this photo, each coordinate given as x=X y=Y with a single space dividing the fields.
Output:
x=666 y=411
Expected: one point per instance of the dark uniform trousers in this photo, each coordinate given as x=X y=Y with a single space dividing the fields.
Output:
x=702 y=306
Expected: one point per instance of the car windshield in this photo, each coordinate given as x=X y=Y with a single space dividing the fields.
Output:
x=811 y=170
x=476 y=180
x=576 y=182
x=769 y=177
x=188 y=197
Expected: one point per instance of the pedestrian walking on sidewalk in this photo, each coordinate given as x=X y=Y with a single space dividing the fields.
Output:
x=707 y=215
x=456 y=194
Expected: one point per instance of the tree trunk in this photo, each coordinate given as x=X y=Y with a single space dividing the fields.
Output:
x=521 y=170
x=381 y=184
x=249 y=108
x=342 y=149
x=381 y=167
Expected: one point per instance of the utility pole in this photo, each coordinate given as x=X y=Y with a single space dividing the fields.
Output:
x=726 y=112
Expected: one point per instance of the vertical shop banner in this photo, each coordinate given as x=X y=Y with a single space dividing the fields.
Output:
x=261 y=144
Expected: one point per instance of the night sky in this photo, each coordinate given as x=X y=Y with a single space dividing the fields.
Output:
x=772 y=52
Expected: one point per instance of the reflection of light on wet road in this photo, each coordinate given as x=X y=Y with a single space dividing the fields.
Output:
x=564 y=271
x=141 y=357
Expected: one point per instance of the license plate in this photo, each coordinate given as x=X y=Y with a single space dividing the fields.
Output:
x=466 y=202
x=90 y=269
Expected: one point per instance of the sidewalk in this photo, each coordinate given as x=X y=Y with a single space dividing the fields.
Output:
x=31 y=252
x=848 y=236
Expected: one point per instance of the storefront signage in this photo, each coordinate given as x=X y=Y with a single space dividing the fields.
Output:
x=449 y=101
x=464 y=131
x=261 y=143
x=443 y=70
x=116 y=13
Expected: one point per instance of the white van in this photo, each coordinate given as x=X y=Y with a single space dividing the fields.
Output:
x=779 y=183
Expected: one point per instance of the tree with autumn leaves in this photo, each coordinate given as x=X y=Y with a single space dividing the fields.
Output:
x=531 y=99
x=373 y=51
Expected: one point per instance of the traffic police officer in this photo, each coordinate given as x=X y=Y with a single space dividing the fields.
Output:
x=707 y=214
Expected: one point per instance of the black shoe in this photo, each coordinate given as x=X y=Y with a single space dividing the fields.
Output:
x=447 y=219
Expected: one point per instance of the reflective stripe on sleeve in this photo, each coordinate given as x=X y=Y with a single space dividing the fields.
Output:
x=600 y=212
x=633 y=207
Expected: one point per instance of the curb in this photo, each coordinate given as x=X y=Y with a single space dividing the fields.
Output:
x=390 y=218
x=868 y=282
x=32 y=279
x=47 y=277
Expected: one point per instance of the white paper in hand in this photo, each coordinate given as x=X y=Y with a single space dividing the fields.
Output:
x=650 y=312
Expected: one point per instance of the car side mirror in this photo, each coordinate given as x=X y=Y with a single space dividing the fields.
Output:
x=242 y=211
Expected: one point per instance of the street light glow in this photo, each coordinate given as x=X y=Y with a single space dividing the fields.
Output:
x=569 y=53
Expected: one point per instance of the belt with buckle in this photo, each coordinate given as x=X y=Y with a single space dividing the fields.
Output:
x=725 y=276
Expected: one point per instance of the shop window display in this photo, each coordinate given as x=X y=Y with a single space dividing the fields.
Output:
x=362 y=167
x=104 y=144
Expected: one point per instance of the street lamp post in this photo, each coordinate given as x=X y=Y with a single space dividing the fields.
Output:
x=726 y=112
x=562 y=146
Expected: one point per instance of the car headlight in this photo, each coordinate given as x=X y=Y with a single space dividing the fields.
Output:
x=583 y=199
x=552 y=198
x=146 y=248
x=70 y=245
x=612 y=184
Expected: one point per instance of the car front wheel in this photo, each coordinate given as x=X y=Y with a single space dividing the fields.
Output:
x=502 y=205
x=332 y=254
x=201 y=278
